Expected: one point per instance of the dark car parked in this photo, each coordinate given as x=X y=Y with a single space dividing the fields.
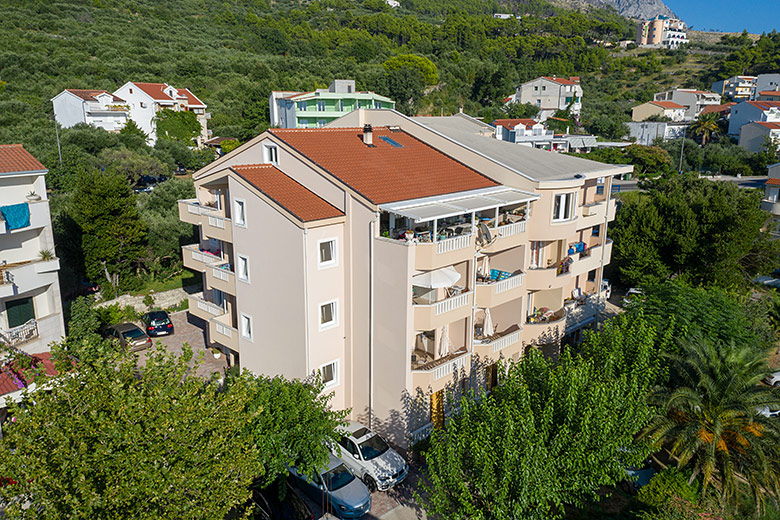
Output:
x=268 y=505
x=129 y=336
x=157 y=323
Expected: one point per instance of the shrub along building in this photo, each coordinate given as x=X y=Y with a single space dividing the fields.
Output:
x=394 y=260
x=30 y=304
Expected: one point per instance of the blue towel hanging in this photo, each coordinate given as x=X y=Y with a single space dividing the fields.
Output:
x=16 y=216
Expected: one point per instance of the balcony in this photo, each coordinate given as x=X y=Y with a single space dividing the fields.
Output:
x=502 y=291
x=542 y=278
x=590 y=259
x=222 y=332
x=21 y=334
x=579 y=314
x=39 y=218
x=450 y=251
x=211 y=220
x=506 y=236
x=199 y=259
x=544 y=327
x=202 y=308
x=429 y=316
x=221 y=276
x=21 y=277
x=499 y=344
x=436 y=374
x=772 y=206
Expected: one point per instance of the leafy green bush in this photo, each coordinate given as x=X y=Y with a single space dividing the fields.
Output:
x=665 y=486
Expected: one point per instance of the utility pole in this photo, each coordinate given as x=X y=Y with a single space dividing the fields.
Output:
x=682 y=147
x=59 y=150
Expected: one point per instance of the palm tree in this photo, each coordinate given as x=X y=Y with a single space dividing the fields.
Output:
x=710 y=422
x=706 y=125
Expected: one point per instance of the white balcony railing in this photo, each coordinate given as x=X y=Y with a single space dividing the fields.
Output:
x=506 y=341
x=513 y=282
x=20 y=334
x=509 y=230
x=450 y=304
x=453 y=244
x=450 y=367
x=225 y=330
x=421 y=433
x=209 y=307
x=205 y=258
x=217 y=221
x=222 y=274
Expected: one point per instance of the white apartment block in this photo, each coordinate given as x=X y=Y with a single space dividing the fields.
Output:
x=752 y=111
x=550 y=94
x=662 y=31
x=694 y=100
x=30 y=304
x=93 y=107
x=738 y=88
x=397 y=257
x=646 y=132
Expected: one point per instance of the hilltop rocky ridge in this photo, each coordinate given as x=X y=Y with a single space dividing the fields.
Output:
x=640 y=9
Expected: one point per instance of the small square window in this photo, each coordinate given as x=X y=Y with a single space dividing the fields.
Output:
x=327 y=252
x=328 y=316
x=330 y=374
x=242 y=268
x=239 y=212
x=271 y=154
x=246 y=326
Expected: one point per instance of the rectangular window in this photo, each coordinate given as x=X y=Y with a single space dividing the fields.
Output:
x=321 y=123
x=328 y=315
x=544 y=87
x=327 y=252
x=536 y=88
x=242 y=268
x=246 y=326
x=271 y=154
x=19 y=312
x=321 y=106
x=302 y=106
x=377 y=105
x=563 y=208
x=330 y=374
x=341 y=105
x=303 y=123
x=239 y=212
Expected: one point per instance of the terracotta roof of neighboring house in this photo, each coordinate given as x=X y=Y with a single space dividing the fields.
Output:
x=725 y=107
x=773 y=182
x=511 y=123
x=508 y=99
x=287 y=192
x=192 y=99
x=14 y=158
x=764 y=105
x=667 y=104
x=397 y=167
x=156 y=91
x=771 y=126
x=91 y=95
x=769 y=93
x=14 y=378
x=694 y=91
x=557 y=118
x=563 y=81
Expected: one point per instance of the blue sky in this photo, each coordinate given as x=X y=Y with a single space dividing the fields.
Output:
x=756 y=16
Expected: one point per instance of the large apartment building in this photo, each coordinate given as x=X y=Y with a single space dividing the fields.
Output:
x=30 y=304
x=662 y=31
x=396 y=257
x=318 y=108
x=738 y=88
x=550 y=94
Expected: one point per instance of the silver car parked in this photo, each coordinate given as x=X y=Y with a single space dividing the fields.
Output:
x=370 y=458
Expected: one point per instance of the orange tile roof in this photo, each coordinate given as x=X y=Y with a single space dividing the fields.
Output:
x=511 y=123
x=91 y=95
x=668 y=104
x=14 y=378
x=287 y=192
x=764 y=105
x=192 y=99
x=562 y=81
x=383 y=173
x=15 y=159
x=769 y=93
x=773 y=182
x=766 y=124
x=725 y=107
x=155 y=90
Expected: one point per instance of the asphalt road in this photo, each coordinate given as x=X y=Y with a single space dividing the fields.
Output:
x=744 y=182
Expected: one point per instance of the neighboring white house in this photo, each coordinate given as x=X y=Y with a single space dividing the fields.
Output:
x=753 y=136
x=771 y=202
x=94 y=107
x=749 y=111
x=30 y=305
x=146 y=99
x=670 y=109
x=393 y=3
x=765 y=82
x=646 y=132
x=694 y=100
x=550 y=94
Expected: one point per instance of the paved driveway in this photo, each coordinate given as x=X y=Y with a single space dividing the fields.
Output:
x=192 y=331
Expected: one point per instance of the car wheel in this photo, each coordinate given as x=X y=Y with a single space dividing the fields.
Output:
x=370 y=483
x=777 y=384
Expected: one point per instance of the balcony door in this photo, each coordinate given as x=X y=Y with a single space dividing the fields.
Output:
x=19 y=312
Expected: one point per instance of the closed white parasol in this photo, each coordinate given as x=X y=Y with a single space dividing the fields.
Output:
x=444 y=277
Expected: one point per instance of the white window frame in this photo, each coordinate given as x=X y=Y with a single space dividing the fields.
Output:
x=303 y=106
x=245 y=258
x=236 y=212
x=271 y=154
x=335 y=321
x=336 y=376
x=244 y=318
x=334 y=261
x=572 y=207
x=321 y=106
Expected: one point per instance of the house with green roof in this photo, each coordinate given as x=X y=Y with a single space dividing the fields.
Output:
x=320 y=107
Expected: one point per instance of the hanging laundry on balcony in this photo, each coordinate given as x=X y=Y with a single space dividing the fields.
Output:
x=16 y=216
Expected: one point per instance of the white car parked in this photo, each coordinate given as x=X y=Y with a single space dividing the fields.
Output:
x=370 y=458
x=773 y=379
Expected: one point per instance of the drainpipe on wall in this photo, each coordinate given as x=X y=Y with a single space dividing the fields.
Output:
x=600 y=277
x=306 y=295
x=371 y=226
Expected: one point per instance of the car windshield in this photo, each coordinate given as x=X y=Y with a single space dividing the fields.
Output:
x=373 y=447
x=162 y=321
x=338 y=477
x=133 y=334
